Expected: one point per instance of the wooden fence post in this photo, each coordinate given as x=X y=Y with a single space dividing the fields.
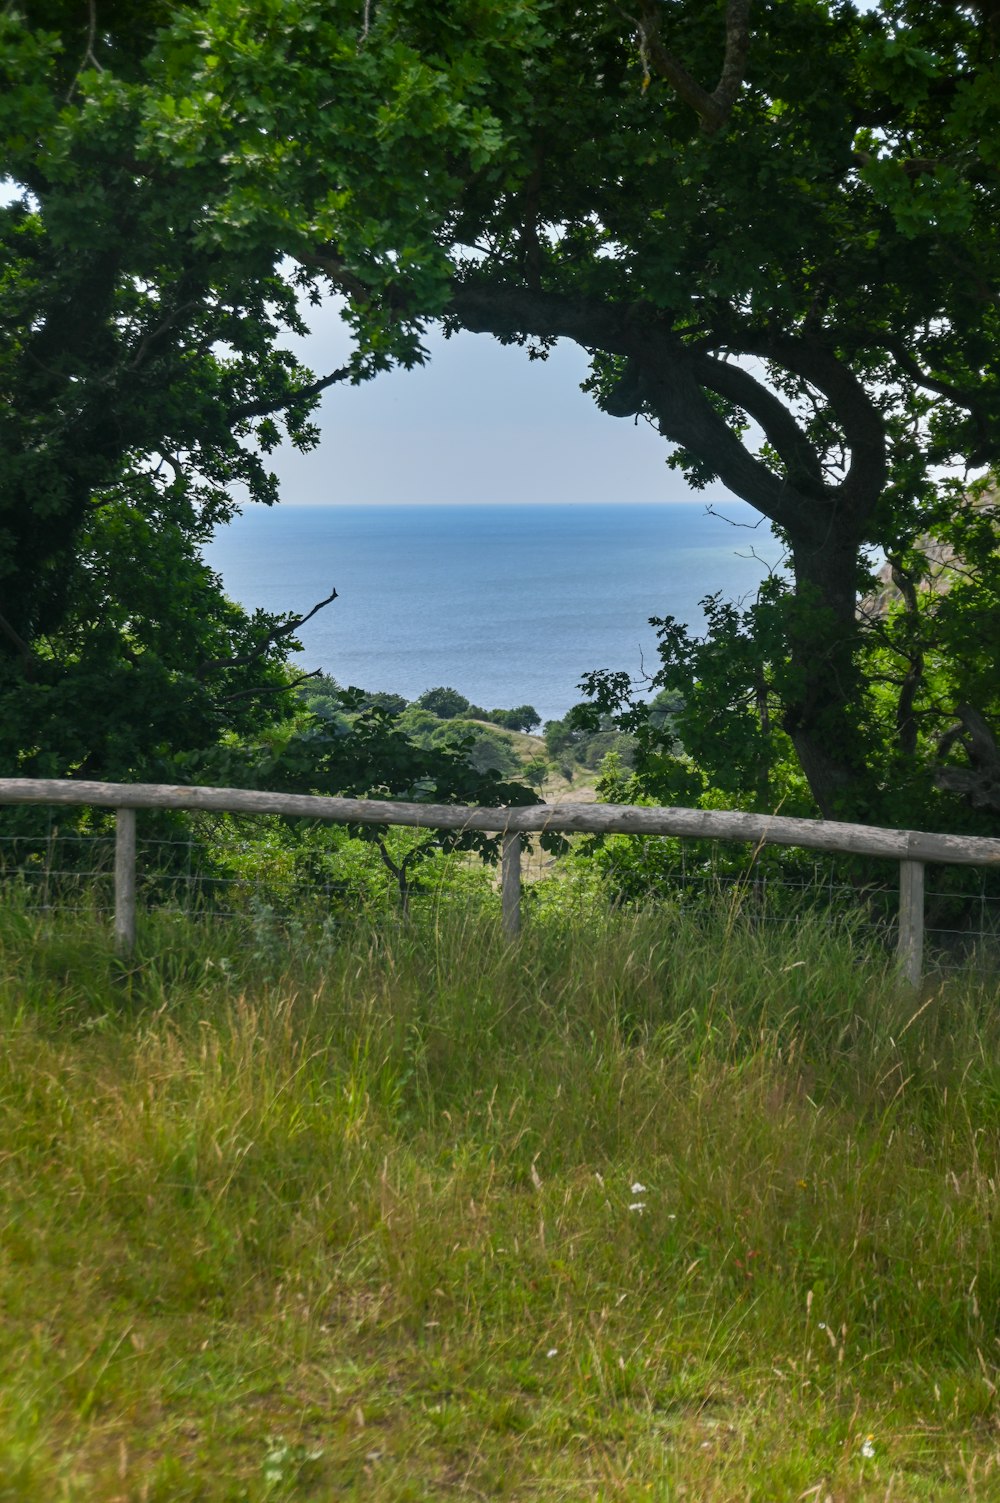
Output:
x=125 y=881
x=910 y=947
x=510 y=884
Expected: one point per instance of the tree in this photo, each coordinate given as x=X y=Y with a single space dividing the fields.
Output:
x=150 y=662
x=791 y=272
x=794 y=278
x=144 y=298
x=522 y=718
x=928 y=656
x=773 y=229
x=444 y=703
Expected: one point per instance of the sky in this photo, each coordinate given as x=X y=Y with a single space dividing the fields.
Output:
x=480 y=423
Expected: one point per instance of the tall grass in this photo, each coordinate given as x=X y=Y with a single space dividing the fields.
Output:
x=644 y=1206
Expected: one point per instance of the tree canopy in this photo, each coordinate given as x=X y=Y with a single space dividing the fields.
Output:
x=144 y=301
x=772 y=226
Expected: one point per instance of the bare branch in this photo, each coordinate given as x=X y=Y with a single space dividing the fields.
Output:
x=272 y=688
x=88 y=56
x=277 y=633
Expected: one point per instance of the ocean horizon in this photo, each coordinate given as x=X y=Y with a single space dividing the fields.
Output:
x=508 y=603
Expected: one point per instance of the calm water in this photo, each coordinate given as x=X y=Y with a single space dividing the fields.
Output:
x=507 y=604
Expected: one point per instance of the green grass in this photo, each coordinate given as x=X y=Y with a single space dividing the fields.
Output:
x=359 y=1217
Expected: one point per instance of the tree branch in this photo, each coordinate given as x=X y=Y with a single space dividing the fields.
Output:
x=857 y=415
x=906 y=723
x=15 y=638
x=962 y=397
x=88 y=56
x=271 y=688
x=712 y=109
x=328 y=262
x=980 y=783
x=665 y=379
x=266 y=406
x=212 y=665
x=780 y=427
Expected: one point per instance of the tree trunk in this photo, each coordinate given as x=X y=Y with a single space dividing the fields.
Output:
x=825 y=686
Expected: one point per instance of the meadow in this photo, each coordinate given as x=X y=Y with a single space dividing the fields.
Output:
x=647 y=1205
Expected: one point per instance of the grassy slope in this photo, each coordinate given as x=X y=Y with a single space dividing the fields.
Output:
x=556 y=789
x=366 y=1222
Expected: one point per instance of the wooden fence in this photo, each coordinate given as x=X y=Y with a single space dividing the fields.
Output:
x=912 y=849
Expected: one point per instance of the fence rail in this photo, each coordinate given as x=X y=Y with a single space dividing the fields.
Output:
x=910 y=848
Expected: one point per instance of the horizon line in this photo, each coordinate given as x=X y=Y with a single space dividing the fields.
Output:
x=631 y=501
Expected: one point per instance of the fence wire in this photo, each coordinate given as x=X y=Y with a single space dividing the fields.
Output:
x=232 y=867
x=775 y=886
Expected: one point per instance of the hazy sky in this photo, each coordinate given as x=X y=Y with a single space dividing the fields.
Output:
x=480 y=423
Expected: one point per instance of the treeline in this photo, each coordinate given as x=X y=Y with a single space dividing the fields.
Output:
x=438 y=718
x=579 y=741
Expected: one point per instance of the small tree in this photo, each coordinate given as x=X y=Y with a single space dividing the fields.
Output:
x=522 y=718
x=445 y=703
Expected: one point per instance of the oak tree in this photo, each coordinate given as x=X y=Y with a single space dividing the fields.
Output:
x=772 y=226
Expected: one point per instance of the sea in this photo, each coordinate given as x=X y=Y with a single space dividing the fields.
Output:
x=508 y=604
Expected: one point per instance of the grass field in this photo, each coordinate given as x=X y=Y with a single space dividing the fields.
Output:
x=642 y=1207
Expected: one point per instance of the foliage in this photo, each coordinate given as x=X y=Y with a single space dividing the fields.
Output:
x=792 y=273
x=359 y=749
x=448 y=704
x=150 y=661
x=144 y=303
x=139 y=376
x=445 y=703
x=485 y=749
x=522 y=718
x=926 y=654
x=586 y=738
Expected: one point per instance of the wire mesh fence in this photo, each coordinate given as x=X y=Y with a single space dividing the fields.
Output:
x=232 y=867
x=778 y=886
x=218 y=872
